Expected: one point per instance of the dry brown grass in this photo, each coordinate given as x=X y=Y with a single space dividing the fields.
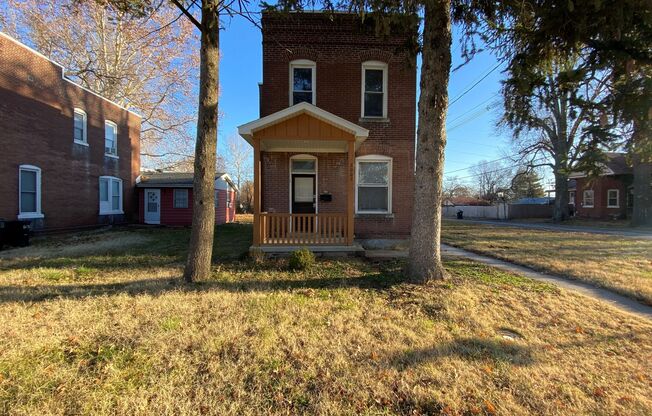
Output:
x=350 y=337
x=618 y=263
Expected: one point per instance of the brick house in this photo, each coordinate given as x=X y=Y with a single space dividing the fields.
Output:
x=166 y=198
x=609 y=196
x=69 y=157
x=334 y=147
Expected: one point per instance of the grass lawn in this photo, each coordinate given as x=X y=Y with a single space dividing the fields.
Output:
x=621 y=264
x=99 y=323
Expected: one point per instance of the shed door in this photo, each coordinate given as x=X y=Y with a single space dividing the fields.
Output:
x=152 y=206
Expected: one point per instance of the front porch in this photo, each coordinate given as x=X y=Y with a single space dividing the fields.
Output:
x=304 y=170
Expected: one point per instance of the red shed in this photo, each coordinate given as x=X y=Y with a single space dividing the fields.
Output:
x=166 y=198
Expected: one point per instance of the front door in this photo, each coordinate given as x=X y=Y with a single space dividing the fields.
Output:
x=152 y=206
x=303 y=194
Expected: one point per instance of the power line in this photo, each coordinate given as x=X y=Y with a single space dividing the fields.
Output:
x=543 y=158
x=456 y=99
x=473 y=108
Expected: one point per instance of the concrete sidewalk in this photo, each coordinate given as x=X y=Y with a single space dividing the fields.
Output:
x=617 y=231
x=614 y=299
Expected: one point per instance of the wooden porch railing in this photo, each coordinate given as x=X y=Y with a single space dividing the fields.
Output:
x=303 y=229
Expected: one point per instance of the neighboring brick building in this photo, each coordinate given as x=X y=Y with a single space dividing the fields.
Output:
x=69 y=158
x=337 y=130
x=606 y=197
x=166 y=198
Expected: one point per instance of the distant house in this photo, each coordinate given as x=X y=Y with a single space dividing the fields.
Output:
x=166 y=198
x=69 y=157
x=546 y=200
x=457 y=201
x=608 y=196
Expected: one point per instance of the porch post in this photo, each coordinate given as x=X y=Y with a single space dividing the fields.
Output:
x=256 y=192
x=350 y=193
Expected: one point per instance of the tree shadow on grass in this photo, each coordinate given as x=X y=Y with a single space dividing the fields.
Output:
x=470 y=349
x=159 y=286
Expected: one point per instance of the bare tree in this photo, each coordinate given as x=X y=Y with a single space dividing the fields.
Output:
x=453 y=187
x=491 y=177
x=141 y=62
x=239 y=162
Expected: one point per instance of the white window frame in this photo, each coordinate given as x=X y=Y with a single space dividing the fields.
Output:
x=84 y=141
x=584 y=194
x=29 y=215
x=174 y=198
x=617 y=198
x=374 y=158
x=571 y=197
x=115 y=138
x=106 y=208
x=303 y=63
x=376 y=65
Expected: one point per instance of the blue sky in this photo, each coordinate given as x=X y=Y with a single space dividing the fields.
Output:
x=472 y=134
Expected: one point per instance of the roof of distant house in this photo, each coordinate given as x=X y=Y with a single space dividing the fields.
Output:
x=616 y=164
x=465 y=200
x=175 y=179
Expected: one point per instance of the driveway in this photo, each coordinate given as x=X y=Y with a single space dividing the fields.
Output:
x=621 y=232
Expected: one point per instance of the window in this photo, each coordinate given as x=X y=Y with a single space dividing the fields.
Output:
x=228 y=197
x=181 y=198
x=216 y=197
x=110 y=195
x=29 y=198
x=630 y=198
x=374 y=89
x=613 y=198
x=571 y=197
x=110 y=138
x=373 y=185
x=303 y=76
x=303 y=166
x=79 y=126
x=588 y=198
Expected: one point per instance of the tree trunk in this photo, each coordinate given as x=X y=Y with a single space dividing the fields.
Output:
x=425 y=256
x=560 y=212
x=200 y=249
x=642 y=212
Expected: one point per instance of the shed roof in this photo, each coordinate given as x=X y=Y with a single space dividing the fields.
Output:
x=175 y=179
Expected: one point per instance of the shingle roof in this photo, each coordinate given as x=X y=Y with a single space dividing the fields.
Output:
x=617 y=163
x=169 y=179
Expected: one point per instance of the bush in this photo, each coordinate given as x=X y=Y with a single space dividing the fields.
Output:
x=302 y=259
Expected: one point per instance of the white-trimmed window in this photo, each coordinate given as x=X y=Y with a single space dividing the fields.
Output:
x=181 y=198
x=110 y=195
x=110 y=138
x=373 y=191
x=571 y=197
x=29 y=192
x=587 y=200
x=374 y=89
x=613 y=198
x=303 y=82
x=228 y=197
x=79 y=126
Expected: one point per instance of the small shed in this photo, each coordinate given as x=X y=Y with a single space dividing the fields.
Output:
x=166 y=198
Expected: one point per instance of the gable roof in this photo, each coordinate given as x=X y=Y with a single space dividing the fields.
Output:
x=616 y=164
x=247 y=130
x=175 y=180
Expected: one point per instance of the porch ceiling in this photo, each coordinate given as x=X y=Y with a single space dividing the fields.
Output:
x=303 y=127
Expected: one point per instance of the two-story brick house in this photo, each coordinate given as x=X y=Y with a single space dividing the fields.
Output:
x=334 y=147
x=69 y=157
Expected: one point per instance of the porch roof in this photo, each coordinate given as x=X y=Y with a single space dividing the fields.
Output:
x=303 y=127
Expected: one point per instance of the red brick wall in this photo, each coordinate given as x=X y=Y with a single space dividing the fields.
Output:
x=339 y=48
x=36 y=128
x=183 y=216
x=600 y=187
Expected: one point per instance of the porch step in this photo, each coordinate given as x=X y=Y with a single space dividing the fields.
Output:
x=319 y=250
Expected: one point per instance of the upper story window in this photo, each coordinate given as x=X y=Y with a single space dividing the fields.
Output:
x=587 y=198
x=110 y=138
x=79 y=126
x=373 y=185
x=29 y=198
x=374 y=89
x=303 y=80
x=181 y=198
x=110 y=195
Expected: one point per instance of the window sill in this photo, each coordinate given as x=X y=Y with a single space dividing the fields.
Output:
x=374 y=215
x=111 y=156
x=80 y=143
x=31 y=216
x=373 y=120
x=587 y=206
x=613 y=206
x=120 y=212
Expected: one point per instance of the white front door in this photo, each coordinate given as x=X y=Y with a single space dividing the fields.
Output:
x=152 y=206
